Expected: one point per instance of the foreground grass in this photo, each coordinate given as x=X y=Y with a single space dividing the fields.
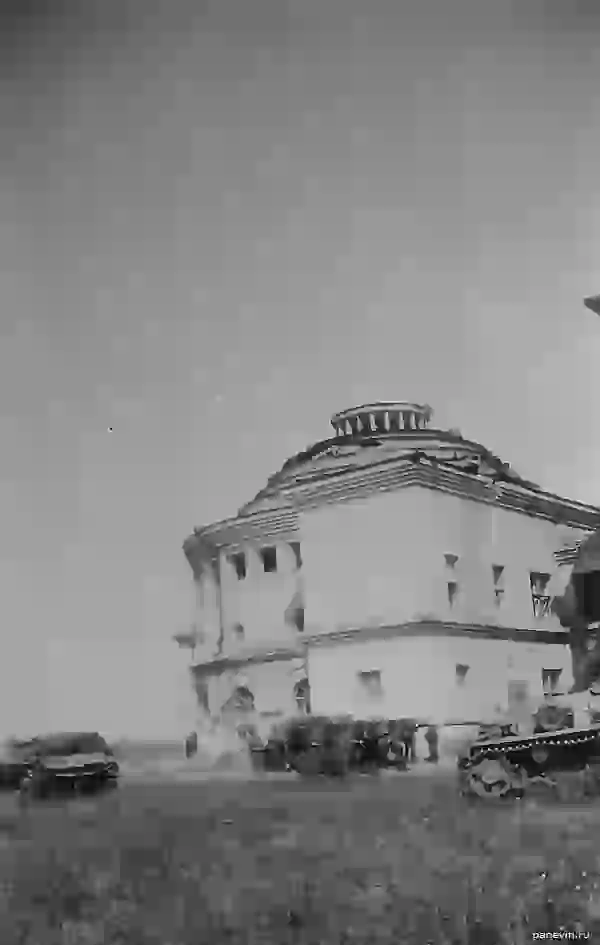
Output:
x=391 y=860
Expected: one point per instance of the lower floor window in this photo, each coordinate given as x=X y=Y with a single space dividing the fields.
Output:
x=370 y=682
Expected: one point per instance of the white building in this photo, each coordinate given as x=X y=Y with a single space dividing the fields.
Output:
x=392 y=569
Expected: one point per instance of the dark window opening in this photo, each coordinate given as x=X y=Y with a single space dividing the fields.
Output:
x=539 y=582
x=497 y=571
x=238 y=560
x=295 y=546
x=370 y=681
x=269 y=559
x=451 y=561
x=452 y=592
x=461 y=673
x=550 y=678
x=541 y=605
x=540 y=600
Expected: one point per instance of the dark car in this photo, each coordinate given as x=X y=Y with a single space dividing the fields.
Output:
x=70 y=761
x=12 y=764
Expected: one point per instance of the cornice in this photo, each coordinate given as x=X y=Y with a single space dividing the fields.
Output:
x=361 y=450
x=418 y=628
x=282 y=522
x=438 y=628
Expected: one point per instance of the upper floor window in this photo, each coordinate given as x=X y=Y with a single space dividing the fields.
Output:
x=498 y=578
x=540 y=599
x=269 y=559
x=461 y=673
x=238 y=561
x=295 y=546
x=452 y=592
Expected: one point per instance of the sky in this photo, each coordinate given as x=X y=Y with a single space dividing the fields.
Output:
x=222 y=221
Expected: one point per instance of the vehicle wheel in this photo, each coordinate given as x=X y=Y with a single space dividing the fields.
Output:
x=32 y=787
x=308 y=763
x=592 y=779
x=491 y=778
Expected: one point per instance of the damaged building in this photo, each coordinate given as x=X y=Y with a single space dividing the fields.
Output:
x=392 y=569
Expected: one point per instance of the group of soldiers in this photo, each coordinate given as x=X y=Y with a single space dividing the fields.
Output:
x=367 y=737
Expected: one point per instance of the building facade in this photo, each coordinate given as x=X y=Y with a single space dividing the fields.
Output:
x=391 y=570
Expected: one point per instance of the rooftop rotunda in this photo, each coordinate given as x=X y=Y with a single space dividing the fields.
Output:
x=393 y=416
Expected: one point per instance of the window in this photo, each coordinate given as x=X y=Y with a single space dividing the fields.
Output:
x=550 y=678
x=370 y=683
x=452 y=592
x=451 y=561
x=269 y=559
x=298 y=619
x=540 y=601
x=539 y=582
x=498 y=578
x=239 y=631
x=461 y=673
x=295 y=546
x=238 y=561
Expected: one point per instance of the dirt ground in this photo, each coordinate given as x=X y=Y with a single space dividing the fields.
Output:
x=369 y=860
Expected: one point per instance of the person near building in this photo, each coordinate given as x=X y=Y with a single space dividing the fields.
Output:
x=191 y=745
x=409 y=736
x=432 y=739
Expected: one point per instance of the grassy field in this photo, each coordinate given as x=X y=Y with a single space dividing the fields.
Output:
x=394 y=860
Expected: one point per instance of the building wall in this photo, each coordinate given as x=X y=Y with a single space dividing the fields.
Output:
x=252 y=609
x=272 y=684
x=418 y=676
x=259 y=601
x=206 y=616
x=382 y=561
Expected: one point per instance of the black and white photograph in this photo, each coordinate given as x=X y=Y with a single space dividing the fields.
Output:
x=300 y=479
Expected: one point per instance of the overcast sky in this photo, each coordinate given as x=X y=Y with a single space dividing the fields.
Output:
x=220 y=222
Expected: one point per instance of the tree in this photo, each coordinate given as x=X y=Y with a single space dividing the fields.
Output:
x=583 y=641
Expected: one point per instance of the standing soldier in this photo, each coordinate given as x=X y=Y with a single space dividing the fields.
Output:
x=432 y=739
x=191 y=745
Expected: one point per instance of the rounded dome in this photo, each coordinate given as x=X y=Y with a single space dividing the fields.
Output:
x=372 y=434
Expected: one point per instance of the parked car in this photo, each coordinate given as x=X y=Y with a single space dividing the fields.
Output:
x=12 y=764
x=71 y=761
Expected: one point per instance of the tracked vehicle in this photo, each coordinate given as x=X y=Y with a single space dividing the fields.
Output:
x=507 y=766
